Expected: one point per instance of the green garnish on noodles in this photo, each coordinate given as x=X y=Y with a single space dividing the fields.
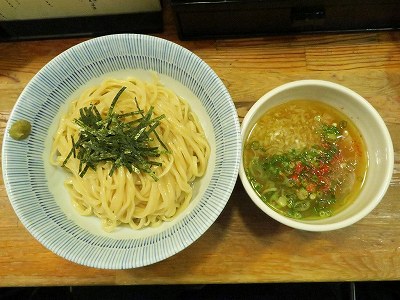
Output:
x=112 y=139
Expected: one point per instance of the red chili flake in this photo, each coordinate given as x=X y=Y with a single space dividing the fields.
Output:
x=311 y=187
x=295 y=179
x=298 y=168
x=323 y=170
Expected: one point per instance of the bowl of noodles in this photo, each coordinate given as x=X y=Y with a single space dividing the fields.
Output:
x=131 y=153
x=316 y=155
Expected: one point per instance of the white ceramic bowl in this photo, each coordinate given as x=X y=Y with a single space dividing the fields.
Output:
x=36 y=192
x=368 y=121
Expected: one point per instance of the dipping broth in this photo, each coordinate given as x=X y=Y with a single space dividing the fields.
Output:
x=305 y=159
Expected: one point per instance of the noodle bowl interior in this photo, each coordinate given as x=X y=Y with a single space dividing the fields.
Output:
x=305 y=159
x=117 y=195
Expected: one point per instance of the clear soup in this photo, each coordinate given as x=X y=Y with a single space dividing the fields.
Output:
x=305 y=159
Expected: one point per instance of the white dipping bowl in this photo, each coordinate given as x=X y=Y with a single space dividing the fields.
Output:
x=373 y=129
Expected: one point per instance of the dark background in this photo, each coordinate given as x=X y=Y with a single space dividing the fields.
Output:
x=277 y=291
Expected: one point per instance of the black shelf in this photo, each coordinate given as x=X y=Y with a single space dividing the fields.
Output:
x=148 y=22
x=234 y=18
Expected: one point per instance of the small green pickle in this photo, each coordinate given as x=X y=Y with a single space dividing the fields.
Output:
x=20 y=130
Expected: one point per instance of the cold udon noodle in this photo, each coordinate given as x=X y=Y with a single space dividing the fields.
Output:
x=131 y=198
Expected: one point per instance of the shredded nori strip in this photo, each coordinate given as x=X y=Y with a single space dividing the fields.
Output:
x=112 y=140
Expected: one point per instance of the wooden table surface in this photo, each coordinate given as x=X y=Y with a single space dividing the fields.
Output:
x=243 y=245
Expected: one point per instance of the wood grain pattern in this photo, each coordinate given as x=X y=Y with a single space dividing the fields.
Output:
x=243 y=245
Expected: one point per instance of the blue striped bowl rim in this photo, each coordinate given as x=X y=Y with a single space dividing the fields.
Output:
x=23 y=164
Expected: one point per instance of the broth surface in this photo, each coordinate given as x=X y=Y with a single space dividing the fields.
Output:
x=305 y=159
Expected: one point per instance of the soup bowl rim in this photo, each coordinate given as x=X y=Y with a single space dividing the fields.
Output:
x=262 y=105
